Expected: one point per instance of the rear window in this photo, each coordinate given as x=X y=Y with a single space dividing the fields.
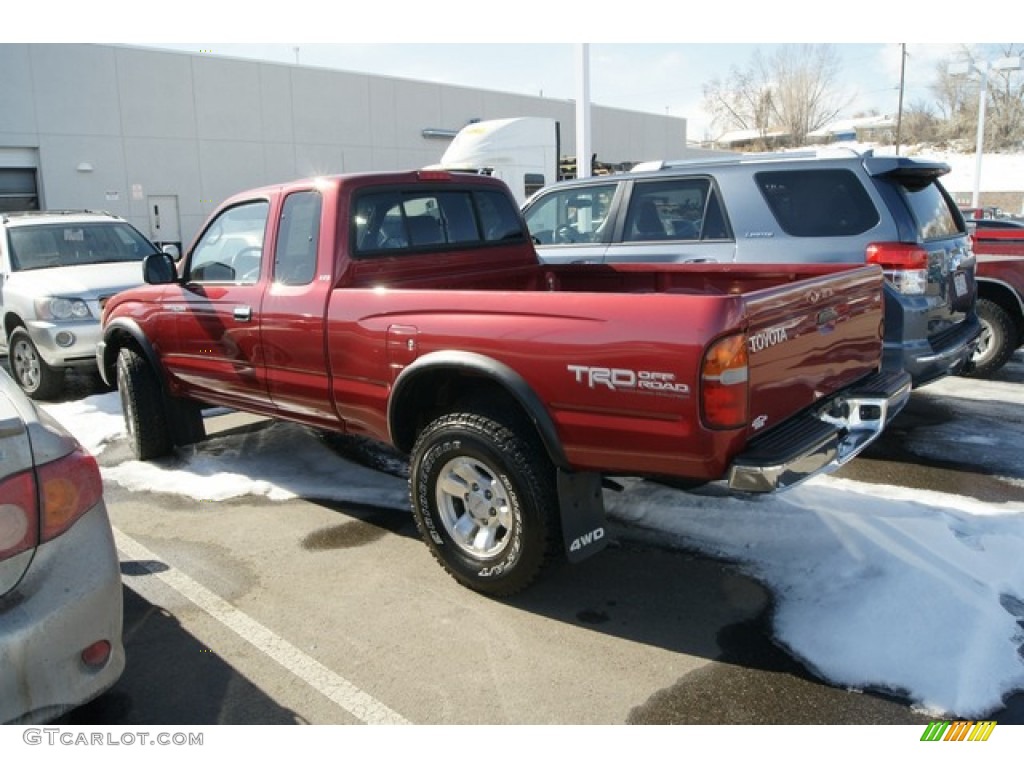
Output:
x=931 y=210
x=411 y=220
x=827 y=202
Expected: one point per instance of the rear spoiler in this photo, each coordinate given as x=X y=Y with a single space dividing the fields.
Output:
x=905 y=167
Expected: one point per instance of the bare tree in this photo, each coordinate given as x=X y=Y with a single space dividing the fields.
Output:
x=957 y=98
x=1004 y=120
x=743 y=101
x=794 y=92
x=806 y=89
x=920 y=124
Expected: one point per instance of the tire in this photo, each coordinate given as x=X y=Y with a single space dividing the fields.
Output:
x=484 y=501
x=997 y=345
x=142 y=402
x=37 y=379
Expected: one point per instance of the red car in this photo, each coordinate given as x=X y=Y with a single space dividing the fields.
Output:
x=999 y=248
x=412 y=308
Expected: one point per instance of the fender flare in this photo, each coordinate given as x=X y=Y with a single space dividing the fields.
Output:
x=487 y=367
x=106 y=353
x=1007 y=288
x=580 y=503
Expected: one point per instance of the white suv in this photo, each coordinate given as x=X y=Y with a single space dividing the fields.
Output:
x=57 y=268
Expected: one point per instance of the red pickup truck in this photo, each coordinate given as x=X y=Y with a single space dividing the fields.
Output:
x=412 y=308
x=999 y=248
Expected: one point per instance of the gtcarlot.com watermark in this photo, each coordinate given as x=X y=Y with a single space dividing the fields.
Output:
x=77 y=738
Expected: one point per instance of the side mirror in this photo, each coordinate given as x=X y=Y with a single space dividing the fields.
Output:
x=158 y=269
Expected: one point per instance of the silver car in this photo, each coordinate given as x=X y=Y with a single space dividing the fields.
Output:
x=57 y=268
x=61 y=608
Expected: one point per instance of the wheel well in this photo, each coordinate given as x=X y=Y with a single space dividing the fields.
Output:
x=446 y=390
x=11 y=321
x=1005 y=298
x=119 y=339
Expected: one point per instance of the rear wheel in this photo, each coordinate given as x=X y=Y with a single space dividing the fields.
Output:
x=485 y=503
x=37 y=379
x=997 y=339
x=142 y=402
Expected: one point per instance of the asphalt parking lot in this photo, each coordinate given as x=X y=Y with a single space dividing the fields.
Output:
x=252 y=611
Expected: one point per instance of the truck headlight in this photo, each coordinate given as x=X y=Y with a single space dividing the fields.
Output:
x=59 y=308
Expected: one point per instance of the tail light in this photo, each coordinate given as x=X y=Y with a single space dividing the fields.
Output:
x=19 y=524
x=69 y=488
x=725 y=383
x=429 y=175
x=62 y=490
x=905 y=266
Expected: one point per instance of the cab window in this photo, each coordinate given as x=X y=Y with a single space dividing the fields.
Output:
x=297 y=240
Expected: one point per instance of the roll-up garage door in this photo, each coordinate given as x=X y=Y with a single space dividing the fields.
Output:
x=18 y=191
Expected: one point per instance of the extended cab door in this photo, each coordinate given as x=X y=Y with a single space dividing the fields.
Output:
x=295 y=304
x=217 y=346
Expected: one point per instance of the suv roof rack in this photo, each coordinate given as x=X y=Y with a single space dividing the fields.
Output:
x=749 y=157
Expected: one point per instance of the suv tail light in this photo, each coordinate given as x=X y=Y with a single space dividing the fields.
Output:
x=725 y=383
x=905 y=266
x=67 y=489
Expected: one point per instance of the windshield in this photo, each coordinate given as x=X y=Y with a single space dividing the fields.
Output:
x=65 y=245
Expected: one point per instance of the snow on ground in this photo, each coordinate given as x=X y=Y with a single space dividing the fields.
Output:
x=875 y=586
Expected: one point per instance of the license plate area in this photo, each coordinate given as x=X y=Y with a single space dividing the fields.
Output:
x=960 y=284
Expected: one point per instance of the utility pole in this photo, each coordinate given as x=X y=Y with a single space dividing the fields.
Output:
x=583 y=169
x=899 y=113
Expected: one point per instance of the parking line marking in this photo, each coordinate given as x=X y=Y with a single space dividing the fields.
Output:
x=336 y=688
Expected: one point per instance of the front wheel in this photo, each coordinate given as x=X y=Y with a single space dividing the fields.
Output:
x=997 y=339
x=484 y=501
x=142 y=402
x=36 y=379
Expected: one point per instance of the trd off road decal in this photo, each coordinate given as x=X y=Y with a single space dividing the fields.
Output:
x=627 y=380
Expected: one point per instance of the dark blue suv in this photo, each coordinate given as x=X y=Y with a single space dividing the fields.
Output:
x=786 y=207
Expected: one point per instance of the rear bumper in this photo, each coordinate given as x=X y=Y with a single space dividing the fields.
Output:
x=927 y=362
x=823 y=439
x=69 y=599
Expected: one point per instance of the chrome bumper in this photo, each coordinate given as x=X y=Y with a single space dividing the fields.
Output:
x=823 y=439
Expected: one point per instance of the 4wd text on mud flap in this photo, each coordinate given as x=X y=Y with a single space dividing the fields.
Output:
x=586 y=539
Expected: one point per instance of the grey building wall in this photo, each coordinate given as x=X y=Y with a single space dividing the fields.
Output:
x=108 y=127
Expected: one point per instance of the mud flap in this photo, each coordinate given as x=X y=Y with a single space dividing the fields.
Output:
x=581 y=502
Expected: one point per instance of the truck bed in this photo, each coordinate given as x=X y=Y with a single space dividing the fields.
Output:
x=569 y=330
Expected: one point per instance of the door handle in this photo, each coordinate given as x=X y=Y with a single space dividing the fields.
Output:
x=243 y=314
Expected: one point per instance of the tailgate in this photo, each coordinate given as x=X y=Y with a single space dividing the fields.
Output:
x=817 y=397
x=810 y=339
